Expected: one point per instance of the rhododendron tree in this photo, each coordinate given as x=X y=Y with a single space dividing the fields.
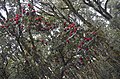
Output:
x=44 y=40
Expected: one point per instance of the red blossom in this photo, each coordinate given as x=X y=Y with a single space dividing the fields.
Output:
x=21 y=27
x=16 y=19
x=71 y=25
x=81 y=59
x=20 y=15
x=67 y=41
x=7 y=26
x=71 y=33
x=87 y=39
x=82 y=43
x=2 y=26
x=38 y=18
x=75 y=29
x=29 y=4
x=23 y=11
x=67 y=28
x=79 y=46
x=64 y=23
x=17 y=16
x=11 y=19
x=16 y=22
x=27 y=13
x=86 y=49
x=46 y=22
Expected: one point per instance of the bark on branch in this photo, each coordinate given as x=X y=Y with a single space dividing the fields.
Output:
x=99 y=8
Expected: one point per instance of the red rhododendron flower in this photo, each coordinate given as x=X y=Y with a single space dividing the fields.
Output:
x=67 y=41
x=71 y=25
x=27 y=13
x=7 y=26
x=71 y=33
x=67 y=28
x=81 y=59
x=64 y=23
x=75 y=29
x=16 y=22
x=23 y=11
x=29 y=4
x=79 y=46
x=21 y=27
x=2 y=26
x=82 y=43
x=87 y=39
x=16 y=19
x=17 y=16
x=38 y=18
x=86 y=49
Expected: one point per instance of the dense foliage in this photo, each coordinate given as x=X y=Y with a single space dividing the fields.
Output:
x=64 y=39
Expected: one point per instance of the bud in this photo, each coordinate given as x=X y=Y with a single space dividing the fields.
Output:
x=29 y=4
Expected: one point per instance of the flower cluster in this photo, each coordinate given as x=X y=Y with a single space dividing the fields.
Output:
x=82 y=40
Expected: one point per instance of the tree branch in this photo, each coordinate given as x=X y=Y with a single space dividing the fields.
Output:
x=99 y=9
x=70 y=6
x=59 y=12
x=106 y=4
x=4 y=6
x=2 y=16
